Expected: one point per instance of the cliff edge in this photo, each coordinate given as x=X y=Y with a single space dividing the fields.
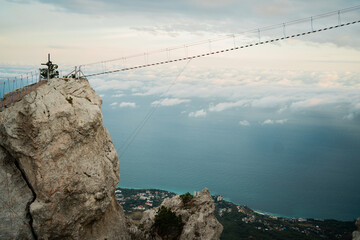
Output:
x=59 y=168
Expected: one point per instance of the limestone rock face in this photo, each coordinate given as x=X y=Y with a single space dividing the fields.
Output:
x=198 y=218
x=61 y=165
x=16 y=197
x=356 y=234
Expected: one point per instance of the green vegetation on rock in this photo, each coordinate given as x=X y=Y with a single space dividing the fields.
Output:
x=167 y=224
x=186 y=198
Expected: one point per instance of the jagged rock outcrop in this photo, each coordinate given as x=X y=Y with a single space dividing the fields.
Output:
x=356 y=234
x=59 y=168
x=197 y=215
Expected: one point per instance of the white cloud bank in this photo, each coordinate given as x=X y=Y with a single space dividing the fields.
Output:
x=118 y=95
x=127 y=104
x=200 y=113
x=244 y=123
x=226 y=105
x=170 y=101
x=272 y=122
x=263 y=94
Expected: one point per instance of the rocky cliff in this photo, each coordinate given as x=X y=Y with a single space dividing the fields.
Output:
x=59 y=168
x=197 y=215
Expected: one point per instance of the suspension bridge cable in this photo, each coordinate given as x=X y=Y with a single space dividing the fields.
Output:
x=224 y=50
x=229 y=36
x=147 y=117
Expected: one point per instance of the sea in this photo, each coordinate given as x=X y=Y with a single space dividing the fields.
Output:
x=298 y=169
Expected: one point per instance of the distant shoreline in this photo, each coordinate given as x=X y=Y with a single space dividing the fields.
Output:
x=261 y=212
x=239 y=221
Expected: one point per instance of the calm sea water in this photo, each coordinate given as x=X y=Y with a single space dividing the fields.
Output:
x=293 y=169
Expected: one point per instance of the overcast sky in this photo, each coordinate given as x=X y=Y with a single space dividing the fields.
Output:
x=81 y=31
x=318 y=72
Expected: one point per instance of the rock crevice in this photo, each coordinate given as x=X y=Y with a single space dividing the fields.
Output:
x=16 y=197
x=28 y=214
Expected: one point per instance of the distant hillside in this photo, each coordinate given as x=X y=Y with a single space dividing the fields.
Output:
x=241 y=222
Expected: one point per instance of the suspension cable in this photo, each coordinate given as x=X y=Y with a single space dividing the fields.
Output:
x=147 y=117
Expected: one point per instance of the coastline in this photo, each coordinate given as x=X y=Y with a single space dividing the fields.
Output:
x=239 y=221
x=255 y=210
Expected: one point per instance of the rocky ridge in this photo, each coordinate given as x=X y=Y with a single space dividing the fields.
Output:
x=197 y=216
